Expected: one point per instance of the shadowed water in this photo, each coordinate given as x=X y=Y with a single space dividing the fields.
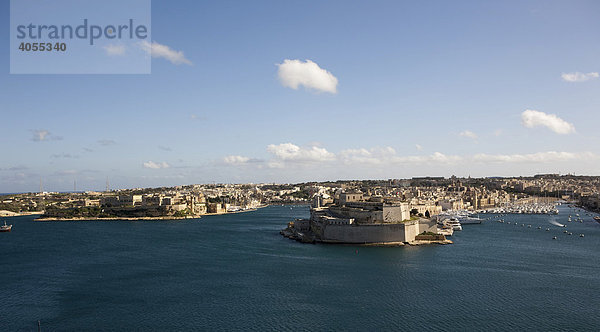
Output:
x=236 y=272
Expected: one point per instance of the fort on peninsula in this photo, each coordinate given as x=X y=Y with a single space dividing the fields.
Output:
x=357 y=219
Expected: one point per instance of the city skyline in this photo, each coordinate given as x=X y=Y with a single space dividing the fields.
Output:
x=337 y=92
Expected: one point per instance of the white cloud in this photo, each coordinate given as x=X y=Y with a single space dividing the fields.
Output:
x=468 y=134
x=236 y=160
x=153 y=165
x=291 y=152
x=385 y=161
x=294 y=73
x=114 y=50
x=579 y=77
x=41 y=135
x=372 y=156
x=539 y=157
x=157 y=50
x=442 y=158
x=532 y=118
x=387 y=155
x=498 y=132
x=435 y=158
x=419 y=147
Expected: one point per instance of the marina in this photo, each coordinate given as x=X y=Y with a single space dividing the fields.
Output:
x=535 y=208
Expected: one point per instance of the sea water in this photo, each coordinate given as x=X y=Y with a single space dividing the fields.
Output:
x=235 y=272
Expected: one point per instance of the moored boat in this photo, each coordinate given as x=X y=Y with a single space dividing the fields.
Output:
x=454 y=224
x=5 y=227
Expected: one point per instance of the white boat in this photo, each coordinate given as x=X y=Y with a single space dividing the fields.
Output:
x=445 y=231
x=470 y=220
x=454 y=224
x=5 y=227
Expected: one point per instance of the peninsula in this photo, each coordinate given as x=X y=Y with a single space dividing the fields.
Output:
x=353 y=218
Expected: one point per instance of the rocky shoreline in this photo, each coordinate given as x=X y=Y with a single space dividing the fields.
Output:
x=292 y=234
x=113 y=218
x=140 y=218
x=6 y=213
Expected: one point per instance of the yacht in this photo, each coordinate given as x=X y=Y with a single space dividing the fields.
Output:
x=470 y=220
x=454 y=224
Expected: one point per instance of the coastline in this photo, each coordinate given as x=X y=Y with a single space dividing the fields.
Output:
x=585 y=208
x=7 y=214
x=309 y=238
x=112 y=218
x=142 y=218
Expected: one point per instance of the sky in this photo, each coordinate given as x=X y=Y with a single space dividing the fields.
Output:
x=293 y=91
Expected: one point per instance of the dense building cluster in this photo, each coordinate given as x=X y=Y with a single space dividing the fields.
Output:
x=424 y=196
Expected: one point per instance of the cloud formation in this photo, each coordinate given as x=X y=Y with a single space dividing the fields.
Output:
x=235 y=160
x=295 y=73
x=376 y=155
x=579 y=77
x=539 y=157
x=157 y=50
x=291 y=152
x=41 y=135
x=114 y=50
x=153 y=165
x=468 y=134
x=290 y=155
x=533 y=118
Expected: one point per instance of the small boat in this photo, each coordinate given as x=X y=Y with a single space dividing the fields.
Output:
x=5 y=227
x=597 y=218
x=581 y=235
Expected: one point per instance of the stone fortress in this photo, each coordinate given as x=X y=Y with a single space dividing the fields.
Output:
x=357 y=219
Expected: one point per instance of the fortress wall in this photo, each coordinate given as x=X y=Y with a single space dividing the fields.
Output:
x=395 y=213
x=427 y=225
x=366 y=233
x=358 y=215
x=411 y=230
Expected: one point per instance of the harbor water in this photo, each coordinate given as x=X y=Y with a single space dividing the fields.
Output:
x=235 y=272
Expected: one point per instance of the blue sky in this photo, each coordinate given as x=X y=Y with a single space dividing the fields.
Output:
x=423 y=88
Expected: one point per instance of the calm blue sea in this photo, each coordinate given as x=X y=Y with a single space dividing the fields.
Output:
x=235 y=272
